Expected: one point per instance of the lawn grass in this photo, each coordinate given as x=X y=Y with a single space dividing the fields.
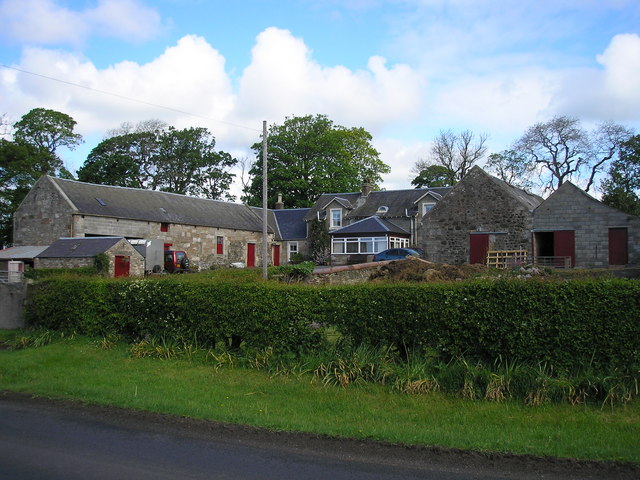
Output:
x=81 y=369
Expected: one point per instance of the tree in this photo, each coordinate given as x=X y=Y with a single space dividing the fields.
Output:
x=562 y=150
x=308 y=156
x=621 y=189
x=153 y=157
x=319 y=242
x=31 y=154
x=457 y=152
x=47 y=129
x=430 y=175
x=124 y=161
x=188 y=164
x=511 y=167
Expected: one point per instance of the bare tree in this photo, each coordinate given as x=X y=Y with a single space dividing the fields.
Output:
x=605 y=142
x=511 y=168
x=561 y=150
x=457 y=152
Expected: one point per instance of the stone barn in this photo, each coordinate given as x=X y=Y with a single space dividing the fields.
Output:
x=481 y=213
x=124 y=260
x=571 y=228
x=212 y=232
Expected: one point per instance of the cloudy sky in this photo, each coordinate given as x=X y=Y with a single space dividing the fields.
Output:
x=402 y=69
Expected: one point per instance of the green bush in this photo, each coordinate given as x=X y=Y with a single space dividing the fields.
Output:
x=564 y=325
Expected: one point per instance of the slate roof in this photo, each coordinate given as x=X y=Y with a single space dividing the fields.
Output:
x=291 y=224
x=370 y=225
x=530 y=200
x=79 y=247
x=399 y=202
x=155 y=206
x=26 y=252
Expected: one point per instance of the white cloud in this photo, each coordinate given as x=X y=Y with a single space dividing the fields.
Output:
x=609 y=93
x=46 y=22
x=283 y=79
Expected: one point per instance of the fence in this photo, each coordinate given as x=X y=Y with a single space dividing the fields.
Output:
x=506 y=258
x=555 y=262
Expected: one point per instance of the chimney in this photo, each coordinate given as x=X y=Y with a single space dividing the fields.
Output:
x=367 y=187
x=279 y=203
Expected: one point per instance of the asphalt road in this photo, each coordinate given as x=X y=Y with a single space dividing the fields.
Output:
x=42 y=439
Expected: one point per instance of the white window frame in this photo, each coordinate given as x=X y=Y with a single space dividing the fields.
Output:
x=358 y=245
x=334 y=223
x=426 y=206
x=292 y=249
x=398 y=242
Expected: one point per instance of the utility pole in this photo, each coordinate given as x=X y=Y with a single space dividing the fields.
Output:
x=264 y=201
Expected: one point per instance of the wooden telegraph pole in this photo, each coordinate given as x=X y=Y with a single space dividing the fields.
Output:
x=265 y=257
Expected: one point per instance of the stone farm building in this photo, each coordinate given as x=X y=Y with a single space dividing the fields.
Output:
x=480 y=213
x=573 y=227
x=211 y=232
x=124 y=260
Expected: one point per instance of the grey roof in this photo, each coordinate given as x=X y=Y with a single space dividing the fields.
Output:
x=154 y=206
x=399 y=202
x=272 y=225
x=79 y=247
x=530 y=200
x=26 y=252
x=370 y=225
x=291 y=224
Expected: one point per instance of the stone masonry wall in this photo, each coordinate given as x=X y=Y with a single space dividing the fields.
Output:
x=477 y=204
x=571 y=209
x=43 y=217
x=199 y=242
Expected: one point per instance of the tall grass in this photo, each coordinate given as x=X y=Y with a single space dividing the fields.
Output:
x=391 y=401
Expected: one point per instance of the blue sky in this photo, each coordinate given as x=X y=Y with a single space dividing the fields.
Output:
x=402 y=69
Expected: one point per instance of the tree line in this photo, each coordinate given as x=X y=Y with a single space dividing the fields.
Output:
x=308 y=156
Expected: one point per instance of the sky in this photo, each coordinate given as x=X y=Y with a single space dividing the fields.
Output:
x=402 y=69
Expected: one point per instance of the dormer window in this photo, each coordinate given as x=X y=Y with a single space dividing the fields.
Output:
x=336 y=217
x=382 y=209
x=426 y=207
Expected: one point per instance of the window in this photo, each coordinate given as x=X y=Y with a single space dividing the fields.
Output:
x=336 y=217
x=293 y=248
x=361 y=245
x=397 y=242
x=426 y=207
x=164 y=227
x=219 y=245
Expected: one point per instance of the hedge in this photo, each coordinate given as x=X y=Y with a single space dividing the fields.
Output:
x=567 y=325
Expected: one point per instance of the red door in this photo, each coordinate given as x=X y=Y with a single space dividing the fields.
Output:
x=251 y=254
x=121 y=266
x=618 y=254
x=478 y=247
x=564 y=245
x=276 y=255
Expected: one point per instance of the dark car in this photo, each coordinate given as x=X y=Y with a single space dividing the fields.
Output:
x=395 y=254
x=176 y=261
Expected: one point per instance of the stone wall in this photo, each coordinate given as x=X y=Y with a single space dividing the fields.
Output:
x=478 y=204
x=569 y=208
x=43 y=217
x=12 y=296
x=199 y=242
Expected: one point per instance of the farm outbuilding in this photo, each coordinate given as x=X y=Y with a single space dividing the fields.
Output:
x=574 y=229
x=124 y=260
x=481 y=213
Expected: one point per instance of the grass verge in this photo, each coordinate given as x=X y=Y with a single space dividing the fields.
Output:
x=105 y=373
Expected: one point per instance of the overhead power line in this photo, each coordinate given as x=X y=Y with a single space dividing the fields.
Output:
x=130 y=99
